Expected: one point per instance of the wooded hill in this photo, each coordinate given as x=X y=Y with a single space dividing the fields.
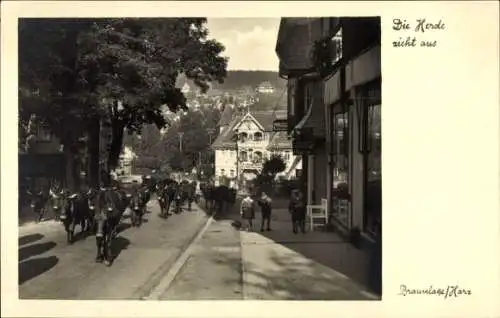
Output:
x=238 y=79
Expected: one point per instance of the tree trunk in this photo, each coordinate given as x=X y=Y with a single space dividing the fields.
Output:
x=116 y=143
x=94 y=133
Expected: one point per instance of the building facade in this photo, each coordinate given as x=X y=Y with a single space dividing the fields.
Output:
x=333 y=68
x=245 y=142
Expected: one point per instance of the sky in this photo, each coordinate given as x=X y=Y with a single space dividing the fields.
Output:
x=250 y=42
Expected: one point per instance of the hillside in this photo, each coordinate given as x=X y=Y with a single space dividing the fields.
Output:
x=238 y=79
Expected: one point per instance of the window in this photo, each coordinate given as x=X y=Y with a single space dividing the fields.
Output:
x=257 y=136
x=257 y=158
x=337 y=46
x=243 y=156
x=291 y=97
x=286 y=155
x=340 y=169
x=231 y=173
x=242 y=137
x=222 y=172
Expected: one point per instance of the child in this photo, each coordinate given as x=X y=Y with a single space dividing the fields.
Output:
x=265 y=203
x=247 y=212
x=297 y=209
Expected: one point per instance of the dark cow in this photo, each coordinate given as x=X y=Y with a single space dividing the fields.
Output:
x=38 y=203
x=112 y=205
x=207 y=190
x=58 y=201
x=187 y=193
x=166 y=192
x=137 y=205
x=76 y=212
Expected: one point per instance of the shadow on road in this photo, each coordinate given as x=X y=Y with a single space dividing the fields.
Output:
x=35 y=249
x=119 y=244
x=30 y=238
x=123 y=227
x=34 y=267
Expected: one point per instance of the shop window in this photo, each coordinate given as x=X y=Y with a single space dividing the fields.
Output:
x=340 y=168
x=370 y=101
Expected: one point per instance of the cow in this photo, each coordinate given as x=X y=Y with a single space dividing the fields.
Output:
x=57 y=201
x=137 y=206
x=76 y=212
x=165 y=193
x=187 y=193
x=38 y=203
x=207 y=190
x=111 y=206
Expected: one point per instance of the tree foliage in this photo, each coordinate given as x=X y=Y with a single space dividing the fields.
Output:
x=123 y=69
x=274 y=165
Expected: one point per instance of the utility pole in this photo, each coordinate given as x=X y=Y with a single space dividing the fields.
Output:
x=210 y=133
x=181 y=134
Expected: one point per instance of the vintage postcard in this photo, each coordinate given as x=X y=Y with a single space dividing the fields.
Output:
x=214 y=159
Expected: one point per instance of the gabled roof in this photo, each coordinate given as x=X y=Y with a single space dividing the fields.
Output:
x=226 y=116
x=249 y=115
x=280 y=141
x=227 y=139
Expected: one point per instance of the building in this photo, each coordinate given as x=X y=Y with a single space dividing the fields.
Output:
x=265 y=88
x=126 y=160
x=245 y=141
x=185 y=89
x=333 y=71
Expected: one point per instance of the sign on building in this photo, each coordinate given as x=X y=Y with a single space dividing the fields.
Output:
x=280 y=125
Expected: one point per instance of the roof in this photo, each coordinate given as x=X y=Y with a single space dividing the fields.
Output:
x=295 y=43
x=279 y=141
x=226 y=140
x=226 y=116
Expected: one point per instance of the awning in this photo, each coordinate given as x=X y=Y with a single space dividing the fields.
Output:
x=304 y=119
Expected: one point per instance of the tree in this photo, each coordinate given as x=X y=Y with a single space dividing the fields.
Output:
x=123 y=70
x=274 y=165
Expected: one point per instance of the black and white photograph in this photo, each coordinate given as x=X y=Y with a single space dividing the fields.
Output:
x=200 y=158
x=222 y=159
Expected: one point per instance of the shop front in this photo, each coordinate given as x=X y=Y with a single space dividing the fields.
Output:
x=353 y=108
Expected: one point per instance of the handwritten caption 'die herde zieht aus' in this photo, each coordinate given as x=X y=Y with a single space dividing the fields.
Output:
x=421 y=27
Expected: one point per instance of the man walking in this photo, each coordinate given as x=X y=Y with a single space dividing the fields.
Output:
x=247 y=212
x=265 y=203
x=297 y=209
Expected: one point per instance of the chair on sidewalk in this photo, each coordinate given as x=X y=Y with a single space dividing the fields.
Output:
x=315 y=212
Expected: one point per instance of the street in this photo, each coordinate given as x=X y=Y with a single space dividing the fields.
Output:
x=185 y=257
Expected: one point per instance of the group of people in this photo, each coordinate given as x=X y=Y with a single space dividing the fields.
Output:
x=296 y=208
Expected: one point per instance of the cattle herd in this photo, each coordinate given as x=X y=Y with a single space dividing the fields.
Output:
x=100 y=211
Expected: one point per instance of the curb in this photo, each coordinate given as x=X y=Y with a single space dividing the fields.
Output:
x=165 y=275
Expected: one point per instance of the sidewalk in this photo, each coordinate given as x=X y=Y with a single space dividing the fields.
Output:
x=281 y=265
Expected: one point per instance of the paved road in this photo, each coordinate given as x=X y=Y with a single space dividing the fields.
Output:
x=49 y=268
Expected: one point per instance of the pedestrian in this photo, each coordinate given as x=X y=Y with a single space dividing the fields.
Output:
x=247 y=212
x=265 y=203
x=297 y=209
